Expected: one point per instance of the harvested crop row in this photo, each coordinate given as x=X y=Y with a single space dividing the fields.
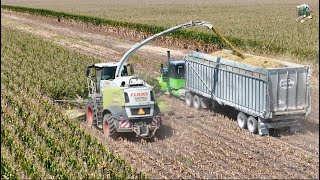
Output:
x=212 y=153
x=260 y=149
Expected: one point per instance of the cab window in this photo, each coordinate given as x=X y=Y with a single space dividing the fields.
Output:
x=108 y=73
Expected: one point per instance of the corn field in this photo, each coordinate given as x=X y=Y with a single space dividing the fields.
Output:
x=37 y=139
x=266 y=27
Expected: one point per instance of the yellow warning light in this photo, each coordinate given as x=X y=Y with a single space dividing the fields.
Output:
x=141 y=112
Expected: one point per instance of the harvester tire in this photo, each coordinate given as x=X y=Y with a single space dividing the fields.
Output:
x=189 y=99
x=197 y=102
x=252 y=125
x=242 y=120
x=89 y=114
x=109 y=128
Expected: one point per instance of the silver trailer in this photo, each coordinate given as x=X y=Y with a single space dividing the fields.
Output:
x=265 y=97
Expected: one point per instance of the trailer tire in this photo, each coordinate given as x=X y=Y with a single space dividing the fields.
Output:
x=242 y=120
x=197 y=102
x=214 y=104
x=189 y=99
x=252 y=125
x=205 y=103
x=109 y=128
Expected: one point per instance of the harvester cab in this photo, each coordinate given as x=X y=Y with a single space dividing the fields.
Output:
x=101 y=73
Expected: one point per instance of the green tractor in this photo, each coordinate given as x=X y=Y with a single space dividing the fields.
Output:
x=172 y=78
x=304 y=13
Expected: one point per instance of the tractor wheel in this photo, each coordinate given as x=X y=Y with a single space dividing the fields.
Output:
x=252 y=125
x=89 y=115
x=197 y=102
x=189 y=99
x=242 y=120
x=109 y=128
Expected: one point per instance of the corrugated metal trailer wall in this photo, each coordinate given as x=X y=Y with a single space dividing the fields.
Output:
x=233 y=86
x=254 y=90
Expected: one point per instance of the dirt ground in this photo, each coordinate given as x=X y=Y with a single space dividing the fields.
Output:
x=191 y=143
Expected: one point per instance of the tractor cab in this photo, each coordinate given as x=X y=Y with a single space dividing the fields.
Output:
x=176 y=74
x=103 y=72
x=172 y=79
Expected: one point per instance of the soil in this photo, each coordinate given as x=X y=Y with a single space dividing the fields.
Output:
x=191 y=143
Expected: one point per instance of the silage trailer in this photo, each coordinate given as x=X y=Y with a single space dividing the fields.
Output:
x=265 y=97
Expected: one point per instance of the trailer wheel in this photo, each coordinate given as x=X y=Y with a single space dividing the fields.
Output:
x=189 y=99
x=214 y=104
x=242 y=120
x=252 y=125
x=205 y=103
x=197 y=102
x=109 y=128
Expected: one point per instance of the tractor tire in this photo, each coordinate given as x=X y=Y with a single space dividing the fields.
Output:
x=242 y=120
x=197 y=102
x=189 y=99
x=252 y=125
x=108 y=126
x=89 y=114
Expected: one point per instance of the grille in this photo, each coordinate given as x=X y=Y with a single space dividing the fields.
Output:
x=135 y=111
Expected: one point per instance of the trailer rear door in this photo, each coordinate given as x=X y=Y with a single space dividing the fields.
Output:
x=289 y=89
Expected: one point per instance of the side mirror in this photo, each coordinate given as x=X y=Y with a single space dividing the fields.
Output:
x=131 y=69
x=87 y=72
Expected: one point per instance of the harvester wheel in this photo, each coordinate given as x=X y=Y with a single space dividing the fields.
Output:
x=89 y=115
x=242 y=120
x=252 y=125
x=189 y=99
x=109 y=128
x=197 y=102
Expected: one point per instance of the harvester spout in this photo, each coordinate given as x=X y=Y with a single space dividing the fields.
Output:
x=142 y=43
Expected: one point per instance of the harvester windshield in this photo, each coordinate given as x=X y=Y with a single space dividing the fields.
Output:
x=109 y=72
